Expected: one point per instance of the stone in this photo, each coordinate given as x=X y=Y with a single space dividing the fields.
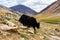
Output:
x=10 y=24
x=23 y=27
x=6 y=27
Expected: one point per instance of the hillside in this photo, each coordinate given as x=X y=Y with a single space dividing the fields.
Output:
x=51 y=13
x=23 y=10
x=50 y=18
x=12 y=29
x=5 y=10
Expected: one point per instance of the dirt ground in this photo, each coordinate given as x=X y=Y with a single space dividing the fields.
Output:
x=46 y=32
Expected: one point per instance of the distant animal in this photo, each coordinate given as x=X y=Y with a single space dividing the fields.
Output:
x=29 y=22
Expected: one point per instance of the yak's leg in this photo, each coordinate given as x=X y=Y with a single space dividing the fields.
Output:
x=34 y=30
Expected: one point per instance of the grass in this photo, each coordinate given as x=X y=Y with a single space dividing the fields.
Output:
x=24 y=36
x=3 y=21
x=52 y=20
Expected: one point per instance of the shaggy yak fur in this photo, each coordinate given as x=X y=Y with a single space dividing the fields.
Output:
x=29 y=22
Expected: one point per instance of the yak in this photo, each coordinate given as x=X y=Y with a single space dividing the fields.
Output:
x=29 y=22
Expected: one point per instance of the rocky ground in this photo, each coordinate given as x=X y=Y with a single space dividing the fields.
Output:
x=46 y=32
x=11 y=29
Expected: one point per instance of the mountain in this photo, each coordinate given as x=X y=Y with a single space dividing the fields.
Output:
x=51 y=13
x=23 y=9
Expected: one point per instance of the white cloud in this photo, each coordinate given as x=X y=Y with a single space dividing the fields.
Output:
x=38 y=8
x=37 y=5
x=47 y=1
x=8 y=3
x=32 y=2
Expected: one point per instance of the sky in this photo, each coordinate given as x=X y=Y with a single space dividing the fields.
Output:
x=36 y=5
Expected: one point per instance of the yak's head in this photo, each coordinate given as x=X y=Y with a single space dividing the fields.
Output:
x=38 y=25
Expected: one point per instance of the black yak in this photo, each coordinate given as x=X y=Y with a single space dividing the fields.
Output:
x=29 y=22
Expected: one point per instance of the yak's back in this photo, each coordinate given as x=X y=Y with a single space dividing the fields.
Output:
x=27 y=20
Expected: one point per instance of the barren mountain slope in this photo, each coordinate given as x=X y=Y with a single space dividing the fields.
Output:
x=51 y=10
x=51 y=13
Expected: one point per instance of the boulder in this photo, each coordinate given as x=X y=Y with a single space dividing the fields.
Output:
x=6 y=27
x=11 y=24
